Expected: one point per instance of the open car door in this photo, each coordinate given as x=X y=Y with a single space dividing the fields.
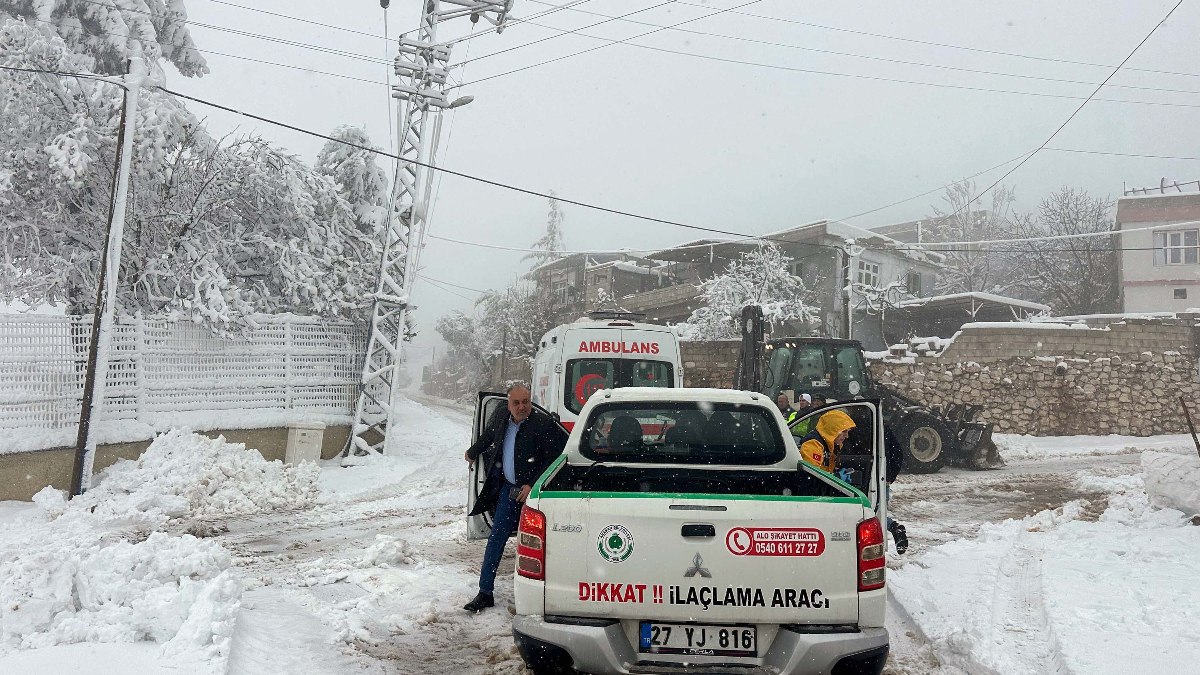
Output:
x=862 y=459
x=487 y=405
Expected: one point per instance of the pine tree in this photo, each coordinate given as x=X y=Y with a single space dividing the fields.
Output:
x=548 y=246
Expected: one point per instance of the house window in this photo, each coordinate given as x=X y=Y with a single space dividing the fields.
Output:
x=558 y=291
x=868 y=273
x=797 y=269
x=913 y=283
x=1181 y=294
x=1177 y=247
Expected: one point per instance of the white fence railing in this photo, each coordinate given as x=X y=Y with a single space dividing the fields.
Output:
x=164 y=373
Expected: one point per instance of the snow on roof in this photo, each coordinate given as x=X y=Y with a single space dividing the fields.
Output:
x=625 y=266
x=1116 y=317
x=977 y=296
x=1039 y=325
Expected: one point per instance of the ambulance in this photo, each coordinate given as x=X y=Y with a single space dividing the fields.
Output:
x=604 y=350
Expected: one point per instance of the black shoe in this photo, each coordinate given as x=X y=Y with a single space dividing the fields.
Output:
x=901 y=537
x=480 y=602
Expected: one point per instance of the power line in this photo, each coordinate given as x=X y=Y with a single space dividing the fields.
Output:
x=444 y=170
x=87 y=76
x=936 y=189
x=451 y=172
x=609 y=44
x=562 y=33
x=810 y=71
x=1120 y=154
x=243 y=33
x=948 y=45
x=508 y=23
x=442 y=288
x=742 y=236
x=1070 y=117
x=857 y=56
x=209 y=52
x=447 y=283
x=296 y=18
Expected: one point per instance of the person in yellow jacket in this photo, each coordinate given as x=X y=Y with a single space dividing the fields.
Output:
x=821 y=445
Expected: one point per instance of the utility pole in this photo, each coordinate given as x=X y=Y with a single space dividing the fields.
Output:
x=847 y=318
x=110 y=265
x=421 y=68
x=503 y=353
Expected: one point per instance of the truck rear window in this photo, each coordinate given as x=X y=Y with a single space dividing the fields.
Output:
x=682 y=433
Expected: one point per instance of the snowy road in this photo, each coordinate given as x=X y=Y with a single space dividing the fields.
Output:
x=364 y=568
x=337 y=612
x=373 y=580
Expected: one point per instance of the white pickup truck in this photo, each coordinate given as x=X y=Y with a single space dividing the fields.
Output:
x=681 y=532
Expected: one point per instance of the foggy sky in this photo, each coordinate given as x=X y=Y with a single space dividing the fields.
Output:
x=730 y=146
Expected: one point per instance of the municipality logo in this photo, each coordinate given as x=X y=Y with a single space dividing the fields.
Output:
x=615 y=543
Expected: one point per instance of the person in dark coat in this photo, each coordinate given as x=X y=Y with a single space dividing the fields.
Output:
x=895 y=463
x=517 y=446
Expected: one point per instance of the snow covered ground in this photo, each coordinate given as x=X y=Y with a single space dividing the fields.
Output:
x=1078 y=589
x=203 y=558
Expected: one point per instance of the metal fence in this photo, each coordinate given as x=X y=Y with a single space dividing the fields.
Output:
x=159 y=367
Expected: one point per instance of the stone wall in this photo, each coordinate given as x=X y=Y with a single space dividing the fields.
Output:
x=709 y=363
x=1126 y=378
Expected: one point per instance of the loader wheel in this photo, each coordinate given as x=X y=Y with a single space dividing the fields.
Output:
x=926 y=442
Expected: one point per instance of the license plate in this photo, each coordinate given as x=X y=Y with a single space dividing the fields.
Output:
x=698 y=639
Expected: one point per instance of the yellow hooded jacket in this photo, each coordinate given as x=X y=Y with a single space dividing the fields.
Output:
x=829 y=426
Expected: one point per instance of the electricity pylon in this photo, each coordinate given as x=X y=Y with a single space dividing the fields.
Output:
x=421 y=69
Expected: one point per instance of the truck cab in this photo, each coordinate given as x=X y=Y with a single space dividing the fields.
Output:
x=680 y=531
x=604 y=350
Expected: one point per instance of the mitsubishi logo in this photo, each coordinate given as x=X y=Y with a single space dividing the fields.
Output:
x=696 y=568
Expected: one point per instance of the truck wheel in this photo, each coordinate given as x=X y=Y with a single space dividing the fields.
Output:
x=926 y=442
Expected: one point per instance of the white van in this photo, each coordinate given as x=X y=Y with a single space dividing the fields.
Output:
x=604 y=350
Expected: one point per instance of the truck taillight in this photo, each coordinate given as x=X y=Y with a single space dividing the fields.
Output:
x=871 y=561
x=531 y=544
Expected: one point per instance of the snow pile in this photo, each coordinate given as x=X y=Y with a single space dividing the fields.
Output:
x=185 y=474
x=82 y=586
x=104 y=567
x=1020 y=446
x=386 y=552
x=1064 y=591
x=1173 y=481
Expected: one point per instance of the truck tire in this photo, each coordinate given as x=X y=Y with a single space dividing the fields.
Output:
x=927 y=442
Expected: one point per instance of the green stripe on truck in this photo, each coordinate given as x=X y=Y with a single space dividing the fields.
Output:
x=688 y=495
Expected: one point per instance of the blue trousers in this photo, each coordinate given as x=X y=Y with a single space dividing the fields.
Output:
x=503 y=522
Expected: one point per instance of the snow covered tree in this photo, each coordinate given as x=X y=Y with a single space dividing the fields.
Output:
x=513 y=320
x=759 y=277
x=108 y=32
x=1073 y=276
x=968 y=218
x=215 y=230
x=358 y=177
x=507 y=323
x=551 y=241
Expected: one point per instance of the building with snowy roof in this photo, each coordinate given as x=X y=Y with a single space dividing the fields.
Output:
x=1158 y=269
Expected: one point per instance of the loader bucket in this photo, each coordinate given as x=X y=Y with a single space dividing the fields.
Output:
x=976 y=449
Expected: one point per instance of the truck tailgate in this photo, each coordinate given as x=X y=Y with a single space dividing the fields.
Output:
x=729 y=559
